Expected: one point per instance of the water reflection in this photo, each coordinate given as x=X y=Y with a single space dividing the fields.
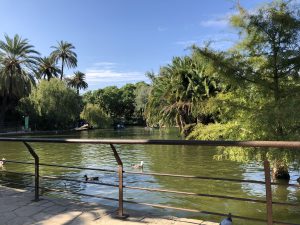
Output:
x=186 y=160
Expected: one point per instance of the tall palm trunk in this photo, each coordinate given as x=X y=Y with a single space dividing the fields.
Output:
x=62 y=68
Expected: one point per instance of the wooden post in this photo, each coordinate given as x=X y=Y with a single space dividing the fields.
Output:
x=268 y=192
x=36 y=171
x=120 y=172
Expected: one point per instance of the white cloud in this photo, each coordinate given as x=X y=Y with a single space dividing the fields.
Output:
x=102 y=74
x=218 y=41
x=218 y=23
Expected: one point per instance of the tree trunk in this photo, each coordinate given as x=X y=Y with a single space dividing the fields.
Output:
x=62 y=69
x=279 y=127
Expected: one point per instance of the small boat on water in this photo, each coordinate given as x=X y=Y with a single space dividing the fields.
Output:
x=83 y=127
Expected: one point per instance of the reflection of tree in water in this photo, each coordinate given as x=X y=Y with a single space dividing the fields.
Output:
x=190 y=160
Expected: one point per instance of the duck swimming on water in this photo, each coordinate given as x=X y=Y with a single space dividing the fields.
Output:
x=138 y=166
x=90 y=178
x=227 y=221
x=2 y=161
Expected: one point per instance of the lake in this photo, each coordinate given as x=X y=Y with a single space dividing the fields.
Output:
x=185 y=160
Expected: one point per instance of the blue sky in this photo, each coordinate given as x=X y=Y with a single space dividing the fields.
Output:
x=117 y=41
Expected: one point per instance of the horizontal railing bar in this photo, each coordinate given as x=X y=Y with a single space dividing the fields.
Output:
x=272 y=144
x=79 y=181
x=56 y=165
x=157 y=190
x=195 y=194
x=19 y=162
x=157 y=174
x=286 y=203
x=196 y=177
x=78 y=167
x=62 y=178
x=208 y=195
x=208 y=178
x=284 y=223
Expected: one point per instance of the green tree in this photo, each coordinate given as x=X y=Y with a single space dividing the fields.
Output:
x=128 y=101
x=262 y=71
x=53 y=105
x=18 y=60
x=47 y=68
x=78 y=81
x=95 y=116
x=141 y=98
x=64 y=52
x=178 y=91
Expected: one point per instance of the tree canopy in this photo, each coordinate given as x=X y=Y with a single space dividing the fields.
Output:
x=52 y=105
x=18 y=61
x=262 y=73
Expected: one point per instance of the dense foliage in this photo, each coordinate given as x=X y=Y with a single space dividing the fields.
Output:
x=248 y=92
x=262 y=71
x=180 y=94
x=95 y=116
x=17 y=64
x=123 y=105
x=21 y=69
x=52 y=105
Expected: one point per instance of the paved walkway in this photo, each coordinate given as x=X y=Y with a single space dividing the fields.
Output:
x=17 y=208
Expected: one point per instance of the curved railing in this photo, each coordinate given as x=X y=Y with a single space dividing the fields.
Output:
x=266 y=144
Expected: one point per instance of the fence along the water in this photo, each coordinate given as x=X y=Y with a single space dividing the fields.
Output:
x=268 y=202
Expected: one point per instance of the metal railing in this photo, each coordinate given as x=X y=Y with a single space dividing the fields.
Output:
x=111 y=142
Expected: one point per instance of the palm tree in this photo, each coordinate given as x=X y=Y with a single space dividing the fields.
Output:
x=64 y=52
x=47 y=68
x=178 y=91
x=18 y=62
x=77 y=81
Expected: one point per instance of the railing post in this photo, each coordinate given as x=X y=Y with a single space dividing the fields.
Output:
x=120 y=172
x=36 y=171
x=268 y=192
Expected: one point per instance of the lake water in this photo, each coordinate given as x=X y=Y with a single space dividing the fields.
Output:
x=185 y=160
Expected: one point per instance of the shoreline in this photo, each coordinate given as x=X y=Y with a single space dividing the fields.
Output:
x=20 y=133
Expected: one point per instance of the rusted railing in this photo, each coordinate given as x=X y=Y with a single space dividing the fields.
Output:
x=266 y=144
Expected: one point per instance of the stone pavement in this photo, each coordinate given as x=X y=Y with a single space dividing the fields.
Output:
x=17 y=208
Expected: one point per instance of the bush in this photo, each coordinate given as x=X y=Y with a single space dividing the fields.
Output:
x=95 y=116
x=52 y=105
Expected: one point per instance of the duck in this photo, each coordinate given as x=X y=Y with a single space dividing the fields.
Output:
x=138 y=166
x=227 y=221
x=298 y=180
x=2 y=161
x=90 y=178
